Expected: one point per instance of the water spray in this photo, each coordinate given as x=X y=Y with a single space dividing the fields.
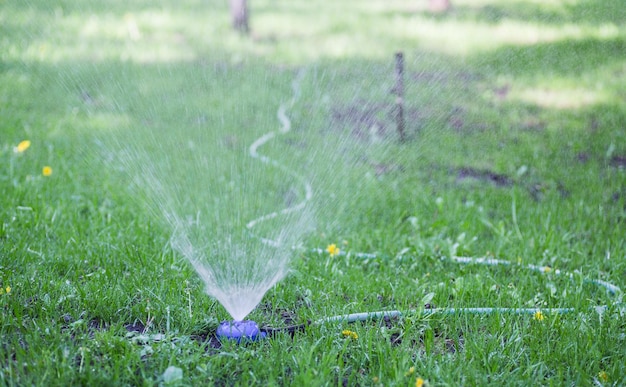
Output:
x=248 y=330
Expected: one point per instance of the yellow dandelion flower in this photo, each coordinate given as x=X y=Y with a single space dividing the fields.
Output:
x=419 y=382
x=22 y=146
x=46 y=171
x=8 y=289
x=538 y=316
x=603 y=376
x=411 y=371
x=547 y=269
x=332 y=250
x=1 y=291
x=349 y=333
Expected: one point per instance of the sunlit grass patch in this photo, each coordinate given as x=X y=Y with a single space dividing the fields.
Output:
x=293 y=33
x=561 y=99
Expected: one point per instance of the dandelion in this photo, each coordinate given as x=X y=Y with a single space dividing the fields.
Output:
x=538 y=316
x=603 y=376
x=410 y=372
x=6 y=290
x=22 y=146
x=349 y=333
x=547 y=269
x=46 y=171
x=419 y=382
x=332 y=250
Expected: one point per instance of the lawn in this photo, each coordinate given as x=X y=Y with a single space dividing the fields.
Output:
x=124 y=126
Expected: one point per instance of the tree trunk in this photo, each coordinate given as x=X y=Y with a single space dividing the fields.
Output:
x=239 y=15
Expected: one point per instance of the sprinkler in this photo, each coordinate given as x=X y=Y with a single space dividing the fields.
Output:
x=246 y=330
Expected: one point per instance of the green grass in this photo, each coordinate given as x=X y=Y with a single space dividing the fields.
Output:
x=517 y=139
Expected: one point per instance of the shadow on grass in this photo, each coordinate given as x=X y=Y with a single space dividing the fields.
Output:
x=563 y=58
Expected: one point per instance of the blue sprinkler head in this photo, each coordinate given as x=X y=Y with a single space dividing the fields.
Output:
x=245 y=330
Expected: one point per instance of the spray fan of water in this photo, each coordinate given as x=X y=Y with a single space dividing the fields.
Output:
x=235 y=219
x=235 y=212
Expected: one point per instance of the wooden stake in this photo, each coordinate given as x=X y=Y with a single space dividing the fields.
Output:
x=399 y=91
